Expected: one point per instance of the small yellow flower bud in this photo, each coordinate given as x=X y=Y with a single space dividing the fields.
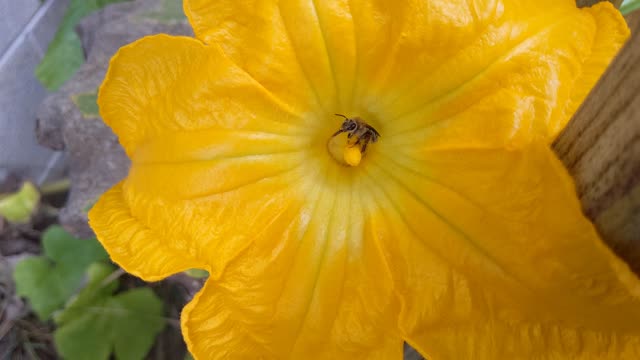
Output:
x=352 y=155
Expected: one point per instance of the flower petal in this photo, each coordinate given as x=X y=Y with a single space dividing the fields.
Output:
x=521 y=76
x=494 y=260
x=162 y=85
x=309 y=286
x=203 y=137
x=524 y=67
x=300 y=50
x=196 y=200
x=131 y=244
x=153 y=236
x=607 y=41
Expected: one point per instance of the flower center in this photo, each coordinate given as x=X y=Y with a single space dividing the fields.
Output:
x=359 y=135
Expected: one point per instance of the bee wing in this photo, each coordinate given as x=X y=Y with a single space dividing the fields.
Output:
x=374 y=131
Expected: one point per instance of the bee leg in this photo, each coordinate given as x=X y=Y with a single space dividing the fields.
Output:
x=363 y=148
x=350 y=135
x=337 y=132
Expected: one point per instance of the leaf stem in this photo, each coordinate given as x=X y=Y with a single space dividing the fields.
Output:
x=55 y=187
x=112 y=277
x=629 y=6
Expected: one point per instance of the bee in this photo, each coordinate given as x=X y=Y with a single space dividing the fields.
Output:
x=363 y=132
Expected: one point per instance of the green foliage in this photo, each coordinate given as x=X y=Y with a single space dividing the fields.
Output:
x=18 y=207
x=197 y=273
x=97 y=322
x=73 y=282
x=87 y=104
x=48 y=281
x=65 y=54
x=169 y=11
x=99 y=284
x=629 y=6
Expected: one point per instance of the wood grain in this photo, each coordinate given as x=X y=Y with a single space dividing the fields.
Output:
x=601 y=149
x=583 y=3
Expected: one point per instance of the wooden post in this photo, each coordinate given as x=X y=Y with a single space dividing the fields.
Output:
x=601 y=149
x=583 y=3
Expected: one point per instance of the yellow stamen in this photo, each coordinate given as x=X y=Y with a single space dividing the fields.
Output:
x=352 y=155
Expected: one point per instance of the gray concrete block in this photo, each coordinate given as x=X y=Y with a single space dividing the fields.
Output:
x=6 y=34
x=96 y=160
x=14 y=15
x=20 y=94
x=45 y=28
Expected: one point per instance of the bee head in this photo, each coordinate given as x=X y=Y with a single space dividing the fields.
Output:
x=349 y=125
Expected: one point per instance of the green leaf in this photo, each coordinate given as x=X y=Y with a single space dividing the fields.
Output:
x=197 y=273
x=97 y=323
x=87 y=104
x=629 y=6
x=99 y=285
x=18 y=207
x=65 y=55
x=170 y=11
x=48 y=281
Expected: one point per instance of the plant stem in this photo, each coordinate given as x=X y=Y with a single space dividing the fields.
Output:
x=55 y=187
x=629 y=6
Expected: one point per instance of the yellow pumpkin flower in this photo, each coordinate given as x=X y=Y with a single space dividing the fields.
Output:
x=457 y=231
